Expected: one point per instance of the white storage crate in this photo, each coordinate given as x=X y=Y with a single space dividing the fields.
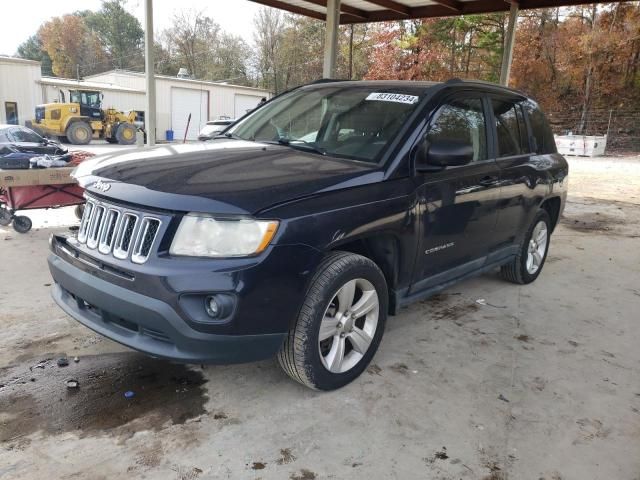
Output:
x=581 y=145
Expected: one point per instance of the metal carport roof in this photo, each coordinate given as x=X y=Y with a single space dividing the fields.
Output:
x=362 y=11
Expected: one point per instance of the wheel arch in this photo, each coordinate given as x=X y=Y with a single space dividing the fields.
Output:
x=384 y=250
x=552 y=207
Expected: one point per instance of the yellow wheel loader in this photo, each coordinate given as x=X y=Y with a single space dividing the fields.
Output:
x=83 y=119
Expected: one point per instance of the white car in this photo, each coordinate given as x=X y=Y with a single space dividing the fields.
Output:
x=213 y=128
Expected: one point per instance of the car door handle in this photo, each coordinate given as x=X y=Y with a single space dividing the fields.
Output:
x=488 y=181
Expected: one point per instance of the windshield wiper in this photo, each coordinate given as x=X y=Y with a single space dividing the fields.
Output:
x=229 y=135
x=304 y=145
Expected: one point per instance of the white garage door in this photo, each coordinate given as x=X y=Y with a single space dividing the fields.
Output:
x=244 y=103
x=184 y=102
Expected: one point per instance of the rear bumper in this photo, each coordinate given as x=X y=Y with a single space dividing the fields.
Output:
x=147 y=324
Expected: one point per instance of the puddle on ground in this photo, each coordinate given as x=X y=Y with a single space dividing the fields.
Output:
x=34 y=395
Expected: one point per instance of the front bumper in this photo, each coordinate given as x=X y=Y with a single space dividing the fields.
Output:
x=151 y=320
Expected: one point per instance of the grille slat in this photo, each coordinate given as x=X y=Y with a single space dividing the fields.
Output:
x=118 y=231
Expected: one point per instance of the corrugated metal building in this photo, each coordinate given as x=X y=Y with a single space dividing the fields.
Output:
x=22 y=88
x=19 y=91
x=176 y=98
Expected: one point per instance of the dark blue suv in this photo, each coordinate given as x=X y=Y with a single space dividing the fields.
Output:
x=297 y=231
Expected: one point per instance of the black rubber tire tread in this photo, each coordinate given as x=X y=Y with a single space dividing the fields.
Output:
x=71 y=133
x=515 y=270
x=120 y=134
x=22 y=224
x=291 y=355
x=79 y=211
x=5 y=217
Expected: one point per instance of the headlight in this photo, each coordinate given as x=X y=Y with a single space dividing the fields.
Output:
x=205 y=236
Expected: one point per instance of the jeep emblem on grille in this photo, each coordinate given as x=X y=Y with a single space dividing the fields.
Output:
x=100 y=185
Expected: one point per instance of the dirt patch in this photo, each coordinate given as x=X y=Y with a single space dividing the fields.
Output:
x=590 y=222
x=444 y=308
x=400 y=368
x=35 y=397
x=285 y=457
x=303 y=475
x=523 y=338
x=374 y=369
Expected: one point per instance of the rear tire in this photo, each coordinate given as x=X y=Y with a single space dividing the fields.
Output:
x=352 y=331
x=528 y=263
x=126 y=134
x=79 y=133
x=22 y=224
x=5 y=217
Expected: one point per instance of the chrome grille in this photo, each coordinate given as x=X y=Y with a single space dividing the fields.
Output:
x=118 y=231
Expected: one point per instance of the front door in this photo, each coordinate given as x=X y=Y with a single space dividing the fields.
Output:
x=457 y=204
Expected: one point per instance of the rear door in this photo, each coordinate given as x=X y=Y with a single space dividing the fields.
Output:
x=457 y=205
x=520 y=171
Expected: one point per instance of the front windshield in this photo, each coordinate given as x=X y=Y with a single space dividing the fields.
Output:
x=86 y=98
x=350 y=121
x=25 y=135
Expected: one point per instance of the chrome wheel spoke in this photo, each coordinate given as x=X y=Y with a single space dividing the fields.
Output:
x=537 y=247
x=335 y=356
x=537 y=258
x=345 y=296
x=367 y=302
x=328 y=328
x=360 y=340
x=345 y=318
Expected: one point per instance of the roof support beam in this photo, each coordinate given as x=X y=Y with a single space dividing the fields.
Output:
x=346 y=9
x=150 y=79
x=393 y=6
x=331 y=39
x=454 y=5
x=507 y=54
x=291 y=8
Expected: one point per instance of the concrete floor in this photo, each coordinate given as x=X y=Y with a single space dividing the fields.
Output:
x=534 y=382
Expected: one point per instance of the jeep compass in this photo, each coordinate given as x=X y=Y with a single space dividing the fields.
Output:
x=299 y=229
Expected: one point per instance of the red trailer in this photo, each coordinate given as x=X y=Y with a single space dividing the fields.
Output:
x=31 y=189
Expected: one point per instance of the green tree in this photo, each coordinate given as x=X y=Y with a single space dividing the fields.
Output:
x=32 y=49
x=120 y=33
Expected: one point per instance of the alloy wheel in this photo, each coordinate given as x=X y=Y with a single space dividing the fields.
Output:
x=349 y=325
x=537 y=247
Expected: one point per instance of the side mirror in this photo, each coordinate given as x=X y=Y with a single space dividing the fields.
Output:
x=443 y=153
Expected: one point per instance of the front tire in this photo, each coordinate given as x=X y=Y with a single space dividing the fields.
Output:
x=79 y=133
x=528 y=263
x=340 y=324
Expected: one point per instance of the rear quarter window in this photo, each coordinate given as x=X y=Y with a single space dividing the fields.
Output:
x=540 y=129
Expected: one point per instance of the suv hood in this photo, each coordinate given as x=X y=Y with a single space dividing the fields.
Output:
x=222 y=176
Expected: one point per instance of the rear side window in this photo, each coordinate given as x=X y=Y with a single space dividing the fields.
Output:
x=462 y=120
x=542 y=134
x=510 y=128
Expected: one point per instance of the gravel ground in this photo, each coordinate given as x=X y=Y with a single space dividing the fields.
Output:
x=536 y=382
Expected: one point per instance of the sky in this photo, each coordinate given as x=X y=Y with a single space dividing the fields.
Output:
x=234 y=16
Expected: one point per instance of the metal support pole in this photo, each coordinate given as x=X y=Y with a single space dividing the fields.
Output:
x=150 y=80
x=507 y=54
x=331 y=38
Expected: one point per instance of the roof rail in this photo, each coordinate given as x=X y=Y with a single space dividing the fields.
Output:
x=454 y=80
x=327 y=80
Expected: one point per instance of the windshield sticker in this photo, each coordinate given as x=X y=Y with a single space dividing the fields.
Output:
x=393 y=97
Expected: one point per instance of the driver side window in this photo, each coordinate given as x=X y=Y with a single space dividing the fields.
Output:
x=462 y=120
